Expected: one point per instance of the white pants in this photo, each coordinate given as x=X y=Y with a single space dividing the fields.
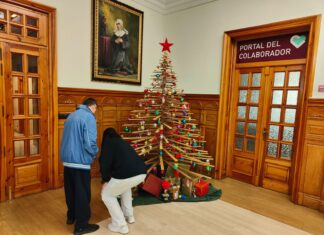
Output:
x=122 y=187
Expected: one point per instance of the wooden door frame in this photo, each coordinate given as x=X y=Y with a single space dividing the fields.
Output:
x=52 y=134
x=311 y=24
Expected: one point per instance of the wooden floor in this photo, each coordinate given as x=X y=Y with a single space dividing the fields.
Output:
x=210 y=218
x=44 y=213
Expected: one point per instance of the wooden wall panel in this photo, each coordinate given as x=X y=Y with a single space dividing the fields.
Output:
x=113 y=111
x=311 y=186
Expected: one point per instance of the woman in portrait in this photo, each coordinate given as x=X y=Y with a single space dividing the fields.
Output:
x=119 y=50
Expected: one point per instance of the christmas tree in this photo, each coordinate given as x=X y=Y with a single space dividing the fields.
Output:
x=162 y=131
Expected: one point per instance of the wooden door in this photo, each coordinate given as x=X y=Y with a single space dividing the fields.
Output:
x=279 y=132
x=2 y=134
x=26 y=98
x=246 y=120
x=263 y=124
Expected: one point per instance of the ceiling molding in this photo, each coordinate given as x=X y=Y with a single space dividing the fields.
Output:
x=165 y=7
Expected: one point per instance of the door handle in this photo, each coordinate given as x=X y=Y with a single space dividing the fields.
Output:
x=265 y=133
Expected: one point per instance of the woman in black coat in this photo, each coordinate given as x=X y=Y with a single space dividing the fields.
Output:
x=121 y=169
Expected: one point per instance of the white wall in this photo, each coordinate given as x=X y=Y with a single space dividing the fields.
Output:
x=197 y=35
x=74 y=44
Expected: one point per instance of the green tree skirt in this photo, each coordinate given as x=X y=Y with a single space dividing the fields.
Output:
x=145 y=198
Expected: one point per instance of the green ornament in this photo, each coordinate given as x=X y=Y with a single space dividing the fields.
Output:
x=198 y=154
x=157 y=112
x=126 y=129
x=175 y=166
x=193 y=127
x=159 y=121
x=181 y=99
x=188 y=134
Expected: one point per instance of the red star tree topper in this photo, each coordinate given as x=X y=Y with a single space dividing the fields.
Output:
x=166 y=45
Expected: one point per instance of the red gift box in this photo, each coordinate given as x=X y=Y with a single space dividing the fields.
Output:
x=153 y=185
x=201 y=188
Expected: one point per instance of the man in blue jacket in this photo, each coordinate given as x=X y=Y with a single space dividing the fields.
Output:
x=78 y=150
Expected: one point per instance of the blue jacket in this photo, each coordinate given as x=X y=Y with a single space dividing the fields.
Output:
x=79 y=141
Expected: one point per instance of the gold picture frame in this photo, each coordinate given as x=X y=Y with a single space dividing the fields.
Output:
x=117 y=35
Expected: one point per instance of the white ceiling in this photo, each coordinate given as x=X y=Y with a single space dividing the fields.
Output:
x=170 y=6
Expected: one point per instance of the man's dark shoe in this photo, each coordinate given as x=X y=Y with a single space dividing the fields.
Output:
x=69 y=221
x=87 y=229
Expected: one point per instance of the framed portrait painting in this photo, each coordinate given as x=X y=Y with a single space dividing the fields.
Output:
x=117 y=42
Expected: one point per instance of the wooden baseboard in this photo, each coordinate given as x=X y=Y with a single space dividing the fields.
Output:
x=311 y=201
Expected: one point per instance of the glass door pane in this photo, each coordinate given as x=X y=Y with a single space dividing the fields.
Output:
x=282 y=116
x=247 y=111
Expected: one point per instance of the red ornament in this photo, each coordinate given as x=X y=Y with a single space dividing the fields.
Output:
x=178 y=155
x=166 y=45
x=166 y=184
x=176 y=173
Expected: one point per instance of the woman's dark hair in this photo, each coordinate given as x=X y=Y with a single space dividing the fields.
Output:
x=110 y=133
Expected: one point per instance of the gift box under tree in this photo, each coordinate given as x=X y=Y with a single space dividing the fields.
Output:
x=201 y=188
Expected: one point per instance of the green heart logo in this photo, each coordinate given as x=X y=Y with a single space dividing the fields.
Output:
x=297 y=41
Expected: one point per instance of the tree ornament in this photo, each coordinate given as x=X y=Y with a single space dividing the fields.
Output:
x=126 y=129
x=157 y=112
x=166 y=185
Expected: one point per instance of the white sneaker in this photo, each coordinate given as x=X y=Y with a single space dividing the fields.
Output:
x=118 y=229
x=130 y=219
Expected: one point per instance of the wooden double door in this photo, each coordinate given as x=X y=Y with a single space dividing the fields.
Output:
x=264 y=125
x=24 y=98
